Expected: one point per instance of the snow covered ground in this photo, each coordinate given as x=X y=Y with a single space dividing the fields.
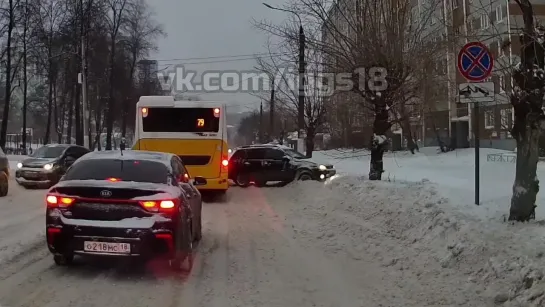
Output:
x=453 y=173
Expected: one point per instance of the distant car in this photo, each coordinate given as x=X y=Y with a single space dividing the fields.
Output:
x=47 y=165
x=265 y=163
x=138 y=204
x=4 y=174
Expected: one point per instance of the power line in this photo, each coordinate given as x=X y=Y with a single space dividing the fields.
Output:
x=220 y=61
x=262 y=54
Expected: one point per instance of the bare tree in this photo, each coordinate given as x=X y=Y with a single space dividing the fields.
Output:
x=116 y=17
x=381 y=46
x=285 y=90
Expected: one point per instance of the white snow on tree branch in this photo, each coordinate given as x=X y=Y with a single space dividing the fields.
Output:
x=519 y=190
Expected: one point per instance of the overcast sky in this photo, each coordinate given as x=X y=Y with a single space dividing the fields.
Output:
x=212 y=28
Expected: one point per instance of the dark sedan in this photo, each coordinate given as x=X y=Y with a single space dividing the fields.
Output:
x=47 y=165
x=135 y=204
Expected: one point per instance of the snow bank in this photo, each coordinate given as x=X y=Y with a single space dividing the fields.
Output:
x=433 y=242
x=453 y=172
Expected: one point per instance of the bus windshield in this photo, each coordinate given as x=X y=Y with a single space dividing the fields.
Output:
x=180 y=120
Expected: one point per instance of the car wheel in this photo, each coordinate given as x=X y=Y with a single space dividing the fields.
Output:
x=198 y=231
x=183 y=255
x=63 y=260
x=305 y=176
x=260 y=184
x=4 y=184
x=242 y=180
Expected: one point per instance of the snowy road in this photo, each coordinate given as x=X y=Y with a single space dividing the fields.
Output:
x=301 y=245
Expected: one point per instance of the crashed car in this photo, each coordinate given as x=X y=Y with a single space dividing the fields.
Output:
x=131 y=204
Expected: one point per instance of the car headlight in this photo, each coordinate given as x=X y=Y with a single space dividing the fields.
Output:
x=48 y=166
x=322 y=167
x=19 y=165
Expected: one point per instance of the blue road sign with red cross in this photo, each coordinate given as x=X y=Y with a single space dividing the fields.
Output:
x=475 y=62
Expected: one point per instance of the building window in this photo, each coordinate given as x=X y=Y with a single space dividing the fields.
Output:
x=489 y=119
x=500 y=49
x=485 y=22
x=506 y=119
x=503 y=84
x=499 y=14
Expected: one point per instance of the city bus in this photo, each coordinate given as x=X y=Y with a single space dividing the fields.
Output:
x=196 y=131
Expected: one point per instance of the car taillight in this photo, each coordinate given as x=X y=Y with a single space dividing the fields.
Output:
x=113 y=179
x=57 y=201
x=158 y=205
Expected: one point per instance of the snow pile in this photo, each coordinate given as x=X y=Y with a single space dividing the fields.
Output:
x=431 y=241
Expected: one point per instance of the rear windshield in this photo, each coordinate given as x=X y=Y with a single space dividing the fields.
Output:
x=180 y=120
x=124 y=170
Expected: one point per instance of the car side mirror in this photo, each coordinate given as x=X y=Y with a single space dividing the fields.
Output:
x=197 y=181
x=183 y=178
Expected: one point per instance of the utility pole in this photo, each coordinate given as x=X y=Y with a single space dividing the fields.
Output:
x=86 y=140
x=301 y=104
x=261 y=123
x=271 y=114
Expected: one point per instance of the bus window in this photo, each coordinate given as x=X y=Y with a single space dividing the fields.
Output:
x=180 y=120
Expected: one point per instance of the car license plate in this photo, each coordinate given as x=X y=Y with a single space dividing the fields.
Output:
x=32 y=174
x=107 y=247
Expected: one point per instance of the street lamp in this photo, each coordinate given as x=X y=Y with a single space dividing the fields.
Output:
x=301 y=102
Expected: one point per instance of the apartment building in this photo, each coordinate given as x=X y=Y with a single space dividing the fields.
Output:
x=497 y=24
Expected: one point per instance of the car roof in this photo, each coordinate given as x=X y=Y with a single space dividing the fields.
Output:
x=59 y=145
x=259 y=146
x=130 y=155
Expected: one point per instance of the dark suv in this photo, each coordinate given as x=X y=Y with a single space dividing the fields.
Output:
x=265 y=163
x=47 y=165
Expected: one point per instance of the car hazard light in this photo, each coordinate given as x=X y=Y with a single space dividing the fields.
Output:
x=54 y=201
x=158 y=205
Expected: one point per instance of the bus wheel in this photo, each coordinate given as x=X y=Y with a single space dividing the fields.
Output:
x=242 y=180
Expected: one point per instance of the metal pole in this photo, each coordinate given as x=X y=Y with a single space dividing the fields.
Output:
x=86 y=140
x=271 y=114
x=301 y=105
x=477 y=147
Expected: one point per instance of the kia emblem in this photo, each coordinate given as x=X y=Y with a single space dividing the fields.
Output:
x=105 y=193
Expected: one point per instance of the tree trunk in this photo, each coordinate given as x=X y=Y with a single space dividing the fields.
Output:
x=309 y=140
x=526 y=184
x=379 y=142
x=111 y=111
x=70 y=106
x=25 y=79
x=49 y=105
x=528 y=106
x=407 y=133
x=7 y=97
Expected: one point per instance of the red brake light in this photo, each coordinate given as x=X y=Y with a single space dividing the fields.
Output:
x=166 y=204
x=113 y=179
x=54 y=201
x=156 y=206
